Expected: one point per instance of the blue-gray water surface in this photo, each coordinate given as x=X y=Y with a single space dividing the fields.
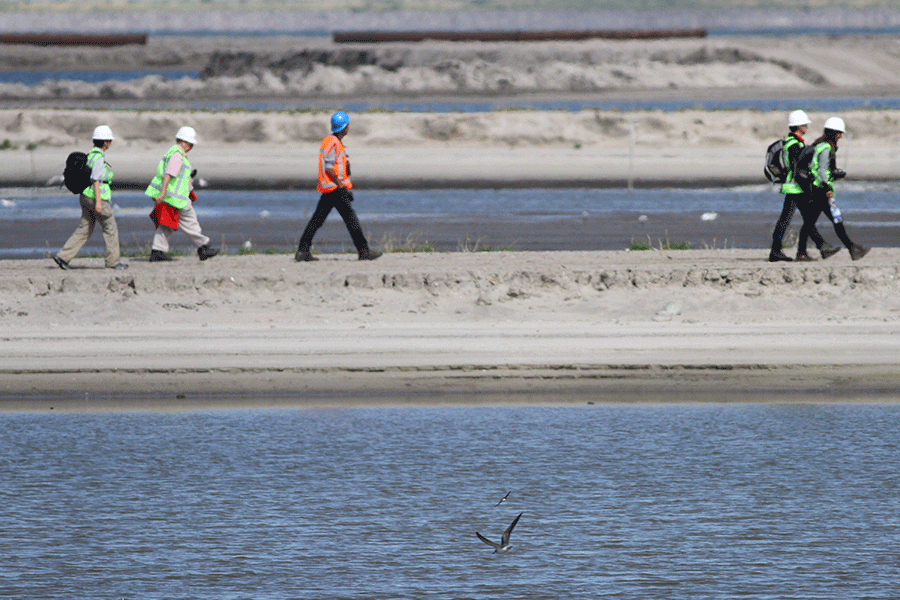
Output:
x=35 y=221
x=711 y=501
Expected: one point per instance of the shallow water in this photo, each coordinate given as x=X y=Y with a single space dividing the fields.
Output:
x=713 y=501
x=33 y=221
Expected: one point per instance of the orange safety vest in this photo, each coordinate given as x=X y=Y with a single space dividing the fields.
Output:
x=331 y=144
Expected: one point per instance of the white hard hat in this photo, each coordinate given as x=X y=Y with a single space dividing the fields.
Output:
x=798 y=118
x=187 y=134
x=102 y=133
x=835 y=124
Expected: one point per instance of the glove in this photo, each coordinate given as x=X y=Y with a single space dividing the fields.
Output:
x=839 y=173
x=348 y=195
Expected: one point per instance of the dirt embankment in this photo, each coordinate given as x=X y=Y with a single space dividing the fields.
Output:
x=316 y=69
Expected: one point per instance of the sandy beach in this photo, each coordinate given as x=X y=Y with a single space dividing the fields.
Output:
x=545 y=327
x=454 y=327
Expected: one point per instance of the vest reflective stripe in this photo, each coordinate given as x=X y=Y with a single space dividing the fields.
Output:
x=179 y=190
x=814 y=166
x=325 y=183
x=105 y=179
x=790 y=186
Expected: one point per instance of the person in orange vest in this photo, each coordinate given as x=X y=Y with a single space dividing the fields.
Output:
x=334 y=185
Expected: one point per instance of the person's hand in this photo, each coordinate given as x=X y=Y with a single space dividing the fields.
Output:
x=99 y=207
x=829 y=194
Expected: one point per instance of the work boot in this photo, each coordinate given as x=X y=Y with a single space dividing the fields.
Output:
x=778 y=255
x=857 y=252
x=827 y=251
x=62 y=264
x=804 y=257
x=302 y=256
x=159 y=256
x=368 y=254
x=205 y=252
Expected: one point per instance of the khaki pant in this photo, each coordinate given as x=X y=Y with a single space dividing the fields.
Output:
x=188 y=223
x=81 y=235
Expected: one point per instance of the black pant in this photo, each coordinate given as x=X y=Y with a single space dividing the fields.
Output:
x=339 y=199
x=811 y=206
x=787 y=213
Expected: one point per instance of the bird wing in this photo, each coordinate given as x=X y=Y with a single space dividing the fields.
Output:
x=505 y=539
x=502 y=499
x=487 y=541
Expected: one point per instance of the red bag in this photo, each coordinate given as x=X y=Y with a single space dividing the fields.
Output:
x=166 y=214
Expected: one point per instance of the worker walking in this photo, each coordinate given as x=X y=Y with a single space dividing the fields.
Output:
x=334 y=185
x=96 y=205
x=172 y=190
x=798 y=123
x=821 y=172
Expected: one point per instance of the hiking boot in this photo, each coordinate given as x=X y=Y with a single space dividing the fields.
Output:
x=159 y=256
x=119 y=267
x=804 y=257
x=778 y=255
x=301 y=256
x=857 y=252
x=369 y=255
x=205 y=252
x=62 y=264
x=827 y=251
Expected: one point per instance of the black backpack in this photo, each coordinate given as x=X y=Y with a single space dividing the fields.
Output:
x=775 y=169
x=76 y=175
x=802 y=174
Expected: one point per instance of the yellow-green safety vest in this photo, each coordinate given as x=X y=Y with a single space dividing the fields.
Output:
x=179 y=190
x=790 y=186
x=105 y=179
x=814 y=167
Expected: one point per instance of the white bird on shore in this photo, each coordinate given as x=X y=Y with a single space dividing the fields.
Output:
x=504 y=545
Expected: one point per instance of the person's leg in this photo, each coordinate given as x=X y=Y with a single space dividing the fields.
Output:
x=111 y=251
x=161 y=239
x=315 y=222
x=831 y=210
x=834 y=215
x=810 y=213
x=784 y=221
x=343 y=206
x=190 y=225
x=82 y=233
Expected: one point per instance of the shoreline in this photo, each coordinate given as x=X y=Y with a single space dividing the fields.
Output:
x=277 y=150
x=450 y=329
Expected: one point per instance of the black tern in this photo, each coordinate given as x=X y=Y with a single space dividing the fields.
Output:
x=503 y=499
x=504 y=545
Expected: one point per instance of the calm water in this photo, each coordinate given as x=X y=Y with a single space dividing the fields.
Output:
x=713 y=501
x=35 y=220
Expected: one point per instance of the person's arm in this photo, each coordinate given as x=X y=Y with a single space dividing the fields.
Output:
x=332 y=175
x=165 y=184
x=822 y=174
x=98 y=206
x=96 y=176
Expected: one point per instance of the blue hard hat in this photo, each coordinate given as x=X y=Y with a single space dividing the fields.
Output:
x=339 y=121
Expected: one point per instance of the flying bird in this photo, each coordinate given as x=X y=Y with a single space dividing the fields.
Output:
x=504 y=545
x=503 y=499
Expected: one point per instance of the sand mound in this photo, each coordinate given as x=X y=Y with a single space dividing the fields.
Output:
x=318 y=69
